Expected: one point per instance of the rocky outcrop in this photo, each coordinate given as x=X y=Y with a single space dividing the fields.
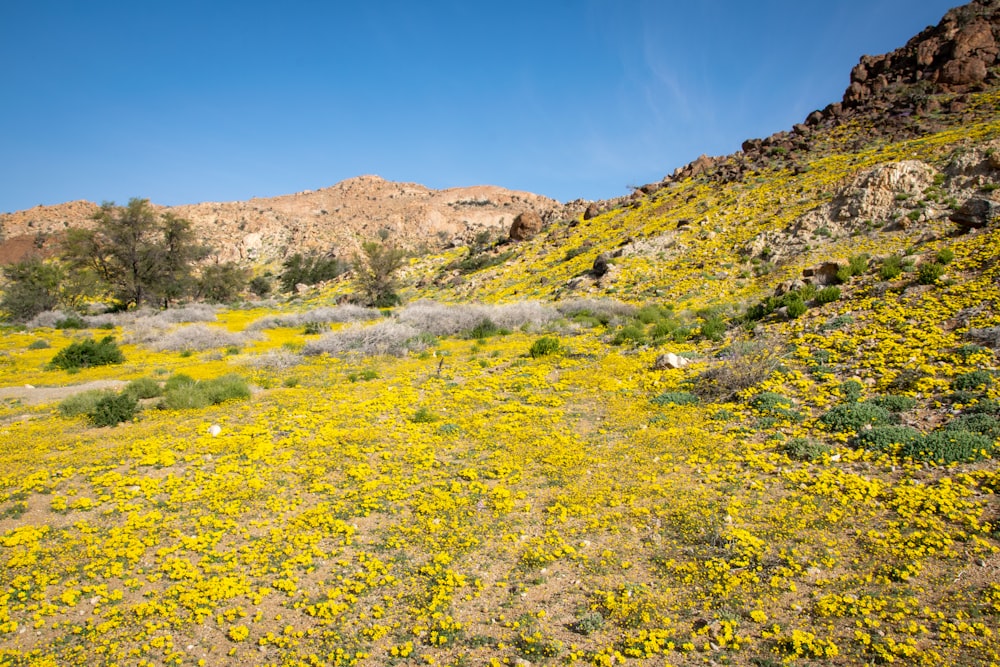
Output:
x=975 y=213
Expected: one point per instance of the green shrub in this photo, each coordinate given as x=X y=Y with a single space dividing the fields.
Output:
x=891 y=268
x=40 y=344
x=969 y=350
x=631 y=333
x=71 y=322
x=184 y=397
x=424 y=416
x=945 y=256
x=985 y=406
x=775 y=405
x=675 y=398
x=544 y=346
x=950 y=446
x=973 y=380
x=795 y=308
x=114 y=409
x=805 y=449
x=82 y=403
x=885 y=438
x=929 y=273
x=143 y=388
x=855 y=416
x=894 y=403
x=88 y=353
x=485 y=329
x=178 y=380
x=857 y=264
x=588 y=623
x=851 y=390
x=313 y=328
x=713 y=327
x=226 y=388
x=828 y=294
x=290 y=382
x=976 y=422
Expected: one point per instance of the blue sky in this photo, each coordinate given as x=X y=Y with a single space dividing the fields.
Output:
x=183 y=101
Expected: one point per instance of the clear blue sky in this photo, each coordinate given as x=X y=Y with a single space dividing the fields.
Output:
x=182 y=101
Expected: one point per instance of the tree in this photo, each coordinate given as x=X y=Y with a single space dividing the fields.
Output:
x=308 y=269
x=222 y=282
x=138 y=254
x=375 y=273
x=32 y=288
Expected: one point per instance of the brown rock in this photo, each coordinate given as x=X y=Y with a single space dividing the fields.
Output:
x=525 y=226
x=822 y=274
x=962 y=72
x=592 y=211
x=975 y=213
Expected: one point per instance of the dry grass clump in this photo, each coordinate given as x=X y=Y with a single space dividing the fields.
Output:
x=387 y=337
x=324 y=315
x=47 y=319
x=198 y=337
x=448 y=320
x=275 y=360
x=744 y=364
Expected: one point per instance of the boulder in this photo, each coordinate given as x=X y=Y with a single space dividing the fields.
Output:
x=525 y=226
x=669 y=361
x=592 y=211
x=975 y=213
x=822 y=274
x=601 y=265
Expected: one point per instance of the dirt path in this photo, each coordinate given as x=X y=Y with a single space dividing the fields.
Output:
x=29 y=395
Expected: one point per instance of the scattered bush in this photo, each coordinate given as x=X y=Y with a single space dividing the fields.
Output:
x=805 y=449
x=424 y=416
x=713 y=327
x=181 y=392
x=113 y=409
x=82 y=403
x=603 y=310
x=39 y=344
x=945 y=256
x=827 y=295
x=198 y=337
x=588 y=623
x=855 y=416
x=631 y=334
x=775 y=405
x=385 y=337
x=317 y=317
x=975 y=422
x=742 y=365
x=88 y=353
x=143 y=388
x=969 y=350
x=485 y=329
x=929 y=273
x=312 y=329
x=72 y=321
x=886 y=438
x=891 y=268
x=973 y=380
x=894 y=403
x=851 y=390
x=675 y=398
x=795 y=308
x=950 y=446
x=544 y=346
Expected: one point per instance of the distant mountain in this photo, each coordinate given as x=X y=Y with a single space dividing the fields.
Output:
x=331 y=220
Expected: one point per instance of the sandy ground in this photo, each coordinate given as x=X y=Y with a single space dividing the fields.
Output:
x=29 y=395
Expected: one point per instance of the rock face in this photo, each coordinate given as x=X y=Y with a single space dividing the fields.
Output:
x=525 y=226
x=975 y=213
x=330 y=220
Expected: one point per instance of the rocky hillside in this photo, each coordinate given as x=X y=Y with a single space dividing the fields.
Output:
x=331 y=220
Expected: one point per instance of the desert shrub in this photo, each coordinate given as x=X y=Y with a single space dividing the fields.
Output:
x=713 y=326
x=194 y=312
x=891 y=267
x=588 y=623
x=71 y=321
x=197 y=337
x=385 y=337
x=261 y=286
x=143 y=388
x=366 y=374
x=972 y=380
x=855 y=416
x=604 y=310
x=309 y=269
x=805 y=449
x=945 y=256
x=985 y=406
x=886 y=438
x=113 y=409
x=981 y=423
x=906 y=380
x=485 y=329
x=82 y=403
x=312 y=329
x=950 y=446
x=450 y=320
x=857 y=264
x=544 y=346
x=632 y=334
x=88 y=353
x=181 y=392
x=424 y=416
x=851 y=390
x=929 y=272
x=828 y=294
x=675 y=398
x=775 y=405
x=226 y=388
x=40 y=344
x=273 y=360
x=317 y=316
x=894 y=403
x=795 y=308
x=742 y=365
x=969 y=350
